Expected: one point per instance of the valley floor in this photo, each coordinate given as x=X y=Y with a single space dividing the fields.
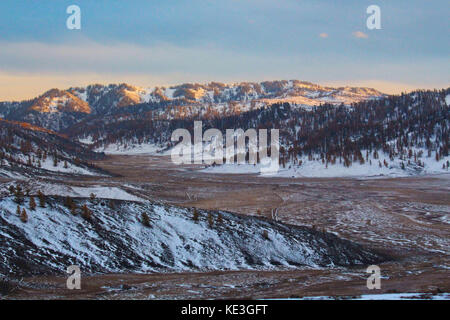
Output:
x=404 y=217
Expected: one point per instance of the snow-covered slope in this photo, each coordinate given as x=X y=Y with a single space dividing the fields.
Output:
x=115 y=240
x=27 y=150
x=218 y=93
x=315 y=168
x=55 y=100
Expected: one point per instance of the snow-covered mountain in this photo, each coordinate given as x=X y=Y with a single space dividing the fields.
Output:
x=396 y=135
x=59 y=109
x=247 y=94
x=113 y=238
x=56 y=100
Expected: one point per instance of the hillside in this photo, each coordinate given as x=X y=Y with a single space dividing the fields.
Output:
x=27 y=150
x=113 y=238
x=394 y=135
x=324 y=131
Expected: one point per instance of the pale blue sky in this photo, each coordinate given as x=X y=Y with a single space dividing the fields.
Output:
x=166 y=42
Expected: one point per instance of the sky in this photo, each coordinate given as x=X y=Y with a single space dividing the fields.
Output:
x=149 y=43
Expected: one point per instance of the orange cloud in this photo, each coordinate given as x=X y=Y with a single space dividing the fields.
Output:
x=360 y=35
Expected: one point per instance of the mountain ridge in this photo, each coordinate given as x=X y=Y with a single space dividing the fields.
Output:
x=58 y=109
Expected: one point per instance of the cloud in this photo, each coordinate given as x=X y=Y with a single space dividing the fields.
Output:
x=121 y=58
x=323 y=35
x=27 y=69
x=360 y=35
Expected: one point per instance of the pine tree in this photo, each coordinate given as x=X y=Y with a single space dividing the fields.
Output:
x=32 y=204
x=41 y=197
x=68 y=203
x=210 y=220
x=24 y=216
x=18 y=195
x=219 y=219
x=86 y=213
x=18 y=210
x=195 y=215
x=73 y=210
x=145 y=219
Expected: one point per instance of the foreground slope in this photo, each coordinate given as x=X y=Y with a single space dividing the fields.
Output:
x=114 y=239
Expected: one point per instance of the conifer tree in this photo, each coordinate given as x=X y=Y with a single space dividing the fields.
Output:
x=73 y=210
x=18 y=195
x=195 y=215
x=41 y=197
x=86 y=213
x=210 y=220
x=24 y=216
x=68 y=203
x=145 y=219
x=32 y=204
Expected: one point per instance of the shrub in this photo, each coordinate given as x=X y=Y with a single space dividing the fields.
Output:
x=210 y=220
x=68 y=203
x=195 y=215
x=86 y=213
x=18 y=195
x=145 y=219
x=24 y=216
x=73 y=210
x=41 y=199
x=32 y=204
